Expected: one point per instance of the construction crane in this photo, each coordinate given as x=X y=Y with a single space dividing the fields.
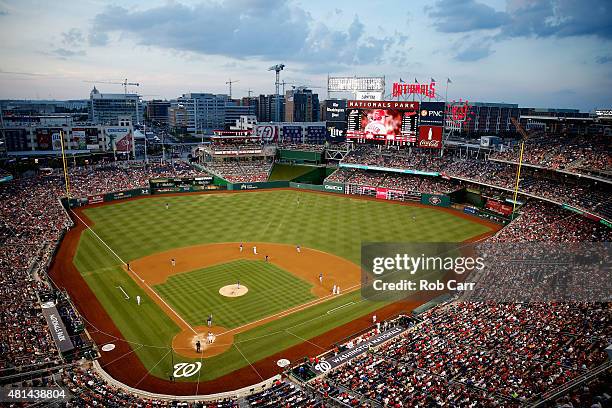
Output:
x=230 y=82
x=277 y=68
x=125 y=83
x=286 y=83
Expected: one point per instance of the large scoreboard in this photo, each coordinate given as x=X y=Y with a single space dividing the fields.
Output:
x=382 y=121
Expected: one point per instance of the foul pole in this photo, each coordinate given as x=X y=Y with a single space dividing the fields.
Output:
x=66 y=179
x=518 y=178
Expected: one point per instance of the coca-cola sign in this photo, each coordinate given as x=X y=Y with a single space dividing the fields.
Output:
x=430 y=137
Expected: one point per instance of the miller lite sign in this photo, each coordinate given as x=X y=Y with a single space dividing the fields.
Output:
x=430 y=137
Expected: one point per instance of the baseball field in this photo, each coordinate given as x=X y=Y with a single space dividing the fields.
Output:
x=259 y=307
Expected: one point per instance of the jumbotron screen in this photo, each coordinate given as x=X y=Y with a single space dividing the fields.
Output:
x=383 y=121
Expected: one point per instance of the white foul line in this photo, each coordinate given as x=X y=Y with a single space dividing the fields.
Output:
x=135 y=274
x=121 y=289
x=340 y=307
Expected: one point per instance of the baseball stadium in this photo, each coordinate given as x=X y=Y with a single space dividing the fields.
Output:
x=387 y=246
x=239 y=281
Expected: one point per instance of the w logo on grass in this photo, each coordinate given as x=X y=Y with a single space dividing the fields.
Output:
x=186 y=369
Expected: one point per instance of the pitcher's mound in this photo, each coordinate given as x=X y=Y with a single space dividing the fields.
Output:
x=233 y=290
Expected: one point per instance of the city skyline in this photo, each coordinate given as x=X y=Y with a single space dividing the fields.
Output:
x=534 y=53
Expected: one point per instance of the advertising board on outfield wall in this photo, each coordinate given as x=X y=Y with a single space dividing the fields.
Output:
x=334 y=187
x=438 y=200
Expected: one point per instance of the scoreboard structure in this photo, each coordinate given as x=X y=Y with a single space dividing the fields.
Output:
x=388 y=122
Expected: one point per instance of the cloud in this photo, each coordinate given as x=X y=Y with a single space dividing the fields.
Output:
x=73 y=37
x=603 y=59
x=97 y=39
x=526 y=18
x=264 y=29
x=559 y=18
x=66 y=53
x=475 y=52
x=4 y=13
x=466 y=15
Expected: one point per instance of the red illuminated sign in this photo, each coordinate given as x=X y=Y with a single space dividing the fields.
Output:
x=402 y=88
x=458 y=112
x=430 y=137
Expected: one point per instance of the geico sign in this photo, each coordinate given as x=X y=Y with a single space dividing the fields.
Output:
x=336 y=188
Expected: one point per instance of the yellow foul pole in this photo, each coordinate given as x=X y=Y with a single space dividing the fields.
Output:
x=66 y=180
x=518 y=177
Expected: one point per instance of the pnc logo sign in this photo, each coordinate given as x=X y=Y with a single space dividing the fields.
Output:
x=432 y=113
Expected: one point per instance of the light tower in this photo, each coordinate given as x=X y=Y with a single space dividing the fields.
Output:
x=277 y=68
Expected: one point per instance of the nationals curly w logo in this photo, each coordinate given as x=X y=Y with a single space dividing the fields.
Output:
x=186 y=369
x=323 y=366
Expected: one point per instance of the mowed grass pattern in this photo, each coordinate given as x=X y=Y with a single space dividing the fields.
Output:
x=194 y=295
x=332 y=223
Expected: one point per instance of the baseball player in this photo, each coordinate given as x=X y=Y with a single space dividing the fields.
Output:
x=334 y=290
x=241 y=247
x=238 y=284
x=254 y=250
x=209 y=320
x=198 y=346
x=298 y=249
x=373 y=318
x=338 y=290
x=138 y=299
x=173 y=262
x=210 y=338
x=267 y=258
x=321 y=278
x=167 y=206
x=376 y=123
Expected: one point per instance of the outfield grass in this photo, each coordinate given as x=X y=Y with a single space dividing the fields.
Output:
x=194 y=295
x=287 y=172
x=332 y=223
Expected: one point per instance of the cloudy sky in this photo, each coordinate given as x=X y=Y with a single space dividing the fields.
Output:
x=542 y=53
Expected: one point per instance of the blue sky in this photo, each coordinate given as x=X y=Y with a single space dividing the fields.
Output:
x=542 y=53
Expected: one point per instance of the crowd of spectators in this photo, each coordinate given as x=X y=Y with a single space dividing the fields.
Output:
x=478 y=354
x=462 y=354
x=584 y=154
x=240 y=171
x=396 y=181
x=32 y=222
x=304 y=147
x=541 y=221
x=578 y=193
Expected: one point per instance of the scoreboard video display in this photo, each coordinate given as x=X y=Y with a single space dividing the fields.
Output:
x=382 y=121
